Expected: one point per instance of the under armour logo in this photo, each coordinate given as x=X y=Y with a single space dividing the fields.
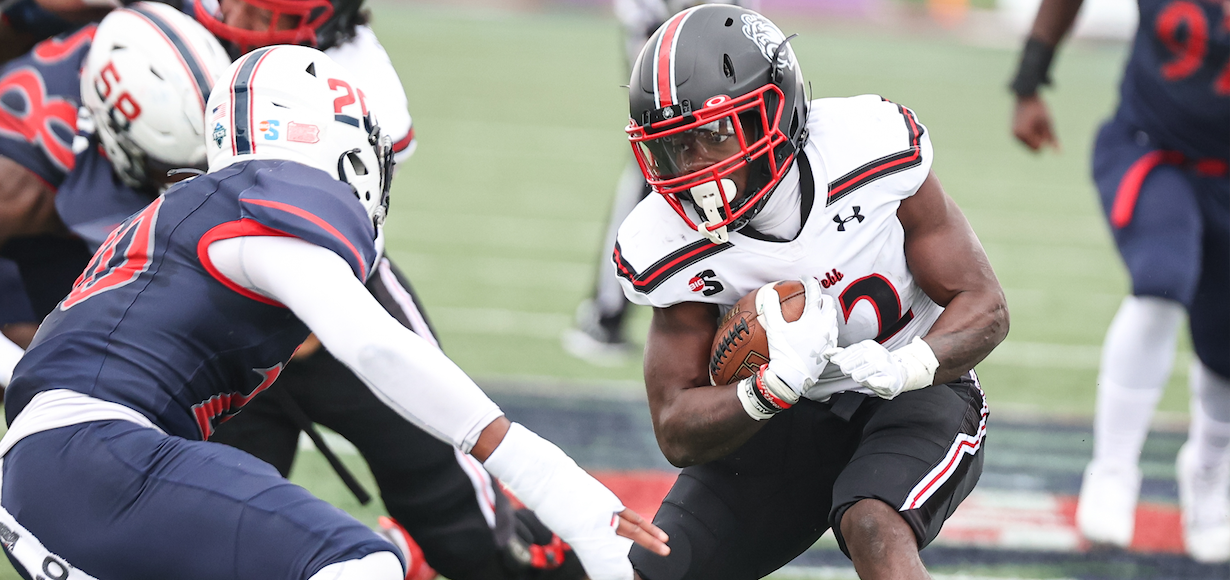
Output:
x=841 y=222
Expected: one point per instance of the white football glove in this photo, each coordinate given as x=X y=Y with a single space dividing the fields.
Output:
x=887 y=373
x=796 y=349
x=570 y=502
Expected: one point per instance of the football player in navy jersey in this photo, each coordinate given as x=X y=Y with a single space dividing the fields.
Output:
x=67 y=179
x=1161 y=168
x=440 y=499
x=191 y=308
x=867 y=418
x=468 y=529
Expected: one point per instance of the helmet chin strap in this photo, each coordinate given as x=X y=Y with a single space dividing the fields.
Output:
x=709 y=199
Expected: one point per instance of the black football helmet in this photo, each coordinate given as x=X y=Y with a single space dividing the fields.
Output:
x=321 y=24
x=716 y=90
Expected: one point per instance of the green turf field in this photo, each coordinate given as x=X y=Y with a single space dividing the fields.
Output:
x=498 y=217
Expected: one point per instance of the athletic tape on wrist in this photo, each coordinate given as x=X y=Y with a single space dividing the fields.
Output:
x=919 y=362
x=566 y=499
x=1035 y=68
x=764 y=394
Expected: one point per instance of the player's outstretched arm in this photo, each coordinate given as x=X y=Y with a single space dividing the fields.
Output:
x=418 y=381
x=1031 y=119
x=949 y=264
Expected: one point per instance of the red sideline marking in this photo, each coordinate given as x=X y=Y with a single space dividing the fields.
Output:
x=1158 y=526
x=640 y=490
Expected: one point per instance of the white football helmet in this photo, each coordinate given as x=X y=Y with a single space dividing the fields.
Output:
x=144 y=83
x=296 y=103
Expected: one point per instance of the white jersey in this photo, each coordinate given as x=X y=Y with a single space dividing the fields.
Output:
x=367 y=61
x=863 y=156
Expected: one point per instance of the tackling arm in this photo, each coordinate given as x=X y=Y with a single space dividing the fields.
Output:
x=949 y=264
x=694 y=421
x=418 y=381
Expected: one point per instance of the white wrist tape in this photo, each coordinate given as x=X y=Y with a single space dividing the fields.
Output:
x=567 y=500
x=10 y=353
x=919 y=362
x=764 y=394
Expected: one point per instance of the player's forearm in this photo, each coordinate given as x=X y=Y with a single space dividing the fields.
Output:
x=972 y=325
x=411 y=376
x=1054 y=20
x=700 y=424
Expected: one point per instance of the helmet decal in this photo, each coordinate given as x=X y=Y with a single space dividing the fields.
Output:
x=767 y=37
x=187 y=55
x=241 y=103
x=664 y=89
x=144 y=85
x=294 y=103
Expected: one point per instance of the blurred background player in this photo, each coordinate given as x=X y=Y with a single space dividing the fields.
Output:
x=1160 y=164
x=89 y=126
x=191 y=308
x=867 y=418
x=598 y=336
x=468 y=527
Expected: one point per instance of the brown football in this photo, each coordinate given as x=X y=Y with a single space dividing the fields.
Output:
x=740 y=345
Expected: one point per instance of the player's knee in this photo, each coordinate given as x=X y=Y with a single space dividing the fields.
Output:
x=872 y=527
x=374 y=566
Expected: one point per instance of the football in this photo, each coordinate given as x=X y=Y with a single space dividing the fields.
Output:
x=741 y=345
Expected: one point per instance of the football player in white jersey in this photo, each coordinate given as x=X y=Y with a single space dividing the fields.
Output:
x=598 y=335
x=868 y=417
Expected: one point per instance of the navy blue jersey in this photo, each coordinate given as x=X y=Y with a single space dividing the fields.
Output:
x=40 y=93
x=93 y=200
x=151 y=325
x=1176 y=86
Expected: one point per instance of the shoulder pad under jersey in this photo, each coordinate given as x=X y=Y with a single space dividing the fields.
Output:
x=865 y=139
x=654 y=245
x=307 y=203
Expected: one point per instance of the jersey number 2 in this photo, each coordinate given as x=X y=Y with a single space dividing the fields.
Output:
x=883 y=297
x=125 y=254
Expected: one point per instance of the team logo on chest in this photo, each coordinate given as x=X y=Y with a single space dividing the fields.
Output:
x=706 y=282
x=841 y=222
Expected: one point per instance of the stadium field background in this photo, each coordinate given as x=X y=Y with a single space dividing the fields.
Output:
x=498 y=218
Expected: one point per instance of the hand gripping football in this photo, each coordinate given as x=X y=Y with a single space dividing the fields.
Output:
x=741 y=345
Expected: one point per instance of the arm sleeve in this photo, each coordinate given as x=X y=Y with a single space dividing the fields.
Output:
x=410 y=375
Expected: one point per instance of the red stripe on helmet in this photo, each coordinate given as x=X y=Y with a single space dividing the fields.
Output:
x=664 y=61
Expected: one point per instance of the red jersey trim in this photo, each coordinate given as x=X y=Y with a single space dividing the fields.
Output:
x=226 y=231
x=902 y=160
x=656 y=274
x=322 y=224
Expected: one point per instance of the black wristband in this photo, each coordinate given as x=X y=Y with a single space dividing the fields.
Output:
x=1035 y=68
